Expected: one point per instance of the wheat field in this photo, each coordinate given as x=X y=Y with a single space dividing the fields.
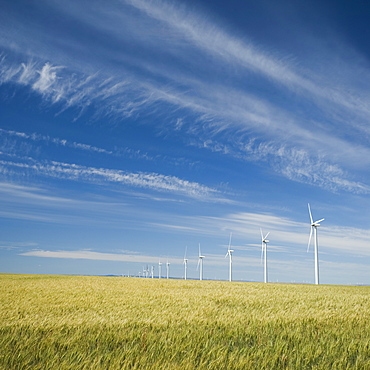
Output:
x=86 y=322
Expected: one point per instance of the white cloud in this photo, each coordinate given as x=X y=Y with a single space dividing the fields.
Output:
x=295 y=164
x=208 y=37
x=153 y=181
x=91 y=255
x=219 y=107
x=56 y=141
x=47 y=78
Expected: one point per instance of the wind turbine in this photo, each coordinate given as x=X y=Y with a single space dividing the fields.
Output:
x=152 y=272
x=168 y=269
x=264 y=254
x=314 y=226
x=159 y=269
x=185 y=264
x=145 y=271
x=200 y=264
x=230 y=254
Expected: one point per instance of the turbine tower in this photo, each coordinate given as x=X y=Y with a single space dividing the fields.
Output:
x=230 y=254
x=168 y=269
x=159 y=269
x=264 y=254
x=200 y=264
x=185 y=265
x=314 y=226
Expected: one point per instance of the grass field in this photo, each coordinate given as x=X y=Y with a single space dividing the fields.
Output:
x=83 y=322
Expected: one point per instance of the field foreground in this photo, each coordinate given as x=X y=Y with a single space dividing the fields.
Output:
x=84 y=322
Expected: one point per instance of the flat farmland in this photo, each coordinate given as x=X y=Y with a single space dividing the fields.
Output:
x=87 y=322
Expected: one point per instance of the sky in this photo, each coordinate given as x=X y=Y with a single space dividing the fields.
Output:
x=135 y=131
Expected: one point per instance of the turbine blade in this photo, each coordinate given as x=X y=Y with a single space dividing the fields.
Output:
x=261 y=234
x=309 y=211
x=309 y=240
x=199 y=250
x=317 y=222
x=230 y=241
x=186 y=249
x=262 y=253
x=267 y=235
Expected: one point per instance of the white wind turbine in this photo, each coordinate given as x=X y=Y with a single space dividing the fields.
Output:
x=264 y=254
x=145 y=271
x=159 y=269
x=200 y=264
x=230 y=254
x=168 y=269
x=314 y=226
x=185 y=264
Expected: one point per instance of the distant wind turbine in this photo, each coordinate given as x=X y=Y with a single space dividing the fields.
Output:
x=200 y=264
x=185 y=264
x=168 y=269
x=159 y=269
x=230 y=254
x=264 y=254
x=314 y=226
x=146 y=271
x=152 y=272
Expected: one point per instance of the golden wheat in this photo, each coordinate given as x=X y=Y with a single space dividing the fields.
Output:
x=83 y=322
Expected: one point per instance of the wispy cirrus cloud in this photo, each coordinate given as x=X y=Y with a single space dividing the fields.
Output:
x=62 y=142
x=69 y=90
x=10 y=148
x=192 y=32
x=152 y=181
x=136 y=84
x=294 y=163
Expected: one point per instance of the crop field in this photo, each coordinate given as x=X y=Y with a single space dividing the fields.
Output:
x=84 y=322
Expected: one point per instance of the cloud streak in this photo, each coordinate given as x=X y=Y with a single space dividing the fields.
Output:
x=61 y=142
x=91 y=255
x=152 y=181
x=296 y=164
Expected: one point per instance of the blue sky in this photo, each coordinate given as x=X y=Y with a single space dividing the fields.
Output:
x=133 y=129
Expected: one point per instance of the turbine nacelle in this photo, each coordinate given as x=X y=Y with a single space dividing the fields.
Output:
x=229 y=252
x=200 y=254
x=317 y=223
x=264 y=238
